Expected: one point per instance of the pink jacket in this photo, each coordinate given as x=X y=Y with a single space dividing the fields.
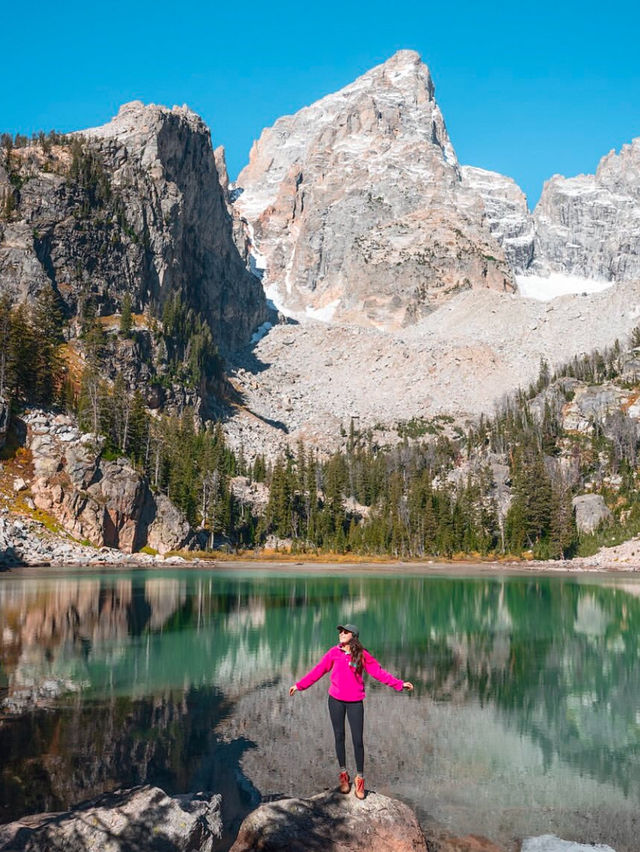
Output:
x=346 y=683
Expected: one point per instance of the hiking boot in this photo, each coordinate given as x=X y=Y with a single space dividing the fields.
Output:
x=359 y=787
x=345 y=782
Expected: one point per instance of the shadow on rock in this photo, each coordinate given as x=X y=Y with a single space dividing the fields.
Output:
x=9 y=558
x=331 y=822
x=144 y=819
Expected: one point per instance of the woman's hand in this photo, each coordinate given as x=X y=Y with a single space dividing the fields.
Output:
x=408 y=686
x=294 y=688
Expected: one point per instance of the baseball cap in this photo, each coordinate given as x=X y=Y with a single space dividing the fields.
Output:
x=352 y=628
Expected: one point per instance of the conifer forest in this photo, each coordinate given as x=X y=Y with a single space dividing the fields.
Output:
x=437 y=492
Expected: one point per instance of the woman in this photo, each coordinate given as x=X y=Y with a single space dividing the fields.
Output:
x=346 y=662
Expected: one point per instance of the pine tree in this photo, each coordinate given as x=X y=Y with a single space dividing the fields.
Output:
x=48 y=323
x=529 y=516
x=301 y=465
x=95 y=342
x=311 y=497
x=22 y=355
x=9 y=204
x=139 y=430
x=242 y=462
x=335 y=477
x=563 y=530
x=126 y=317
x=6 y=377
x=210 y=503
x=544 y=376
x=279 y=506
x=259 y=469
x=89 y=401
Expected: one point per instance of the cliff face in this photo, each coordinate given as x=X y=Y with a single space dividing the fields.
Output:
x=356 y=207
x=589 y=225
x=134 y=207
x=506 y=212
x=586 y=226
x=105 y=502
x=358 y=211
x=164 y=168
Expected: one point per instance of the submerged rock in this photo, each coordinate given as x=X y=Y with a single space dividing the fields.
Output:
x=551 y=843
x=440 y=840
x=332 y=822
x=144 y=818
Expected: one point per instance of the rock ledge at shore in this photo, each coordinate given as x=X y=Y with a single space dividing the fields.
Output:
x=331 y=822
x=146 y=819
x=143 y=819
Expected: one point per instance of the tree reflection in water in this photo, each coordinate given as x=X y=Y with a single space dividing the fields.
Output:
x=53 y=758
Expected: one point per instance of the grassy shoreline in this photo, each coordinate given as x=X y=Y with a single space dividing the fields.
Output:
x=329 y=557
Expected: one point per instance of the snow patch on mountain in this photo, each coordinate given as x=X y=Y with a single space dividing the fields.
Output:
x=260 y=332
x=324 y=314
x=557 y=284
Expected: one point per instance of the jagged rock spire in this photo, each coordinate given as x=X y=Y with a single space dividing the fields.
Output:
x=356 y=208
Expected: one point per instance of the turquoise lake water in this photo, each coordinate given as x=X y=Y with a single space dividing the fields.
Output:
x=525 y=717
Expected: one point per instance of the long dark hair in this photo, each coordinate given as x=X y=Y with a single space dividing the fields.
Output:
x=356 y=647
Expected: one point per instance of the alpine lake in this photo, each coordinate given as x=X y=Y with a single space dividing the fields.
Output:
x=525 y=718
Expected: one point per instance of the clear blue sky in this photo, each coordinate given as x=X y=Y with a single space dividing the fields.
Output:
x=526 y=89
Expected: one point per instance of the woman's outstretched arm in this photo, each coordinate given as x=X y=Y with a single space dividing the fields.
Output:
x=373 y=667
x=315 y=674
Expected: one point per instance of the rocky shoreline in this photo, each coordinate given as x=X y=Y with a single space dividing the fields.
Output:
x=141 y=818
x=27 y=543
x=146 y=818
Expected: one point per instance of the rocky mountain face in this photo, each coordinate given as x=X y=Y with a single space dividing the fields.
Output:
x=586 y=226
x=359 y=214
x=357 y=209
x=313 y=378
x=103 y=502
x=134 y=207
x=131 y=217
x=163 y=166
x=589 y=225
x=506 y=212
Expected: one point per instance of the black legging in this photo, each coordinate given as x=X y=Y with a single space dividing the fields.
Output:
x=355 y=714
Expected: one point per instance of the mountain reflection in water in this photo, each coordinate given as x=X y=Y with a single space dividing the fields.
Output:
x=57 y=757
x=149 y=665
